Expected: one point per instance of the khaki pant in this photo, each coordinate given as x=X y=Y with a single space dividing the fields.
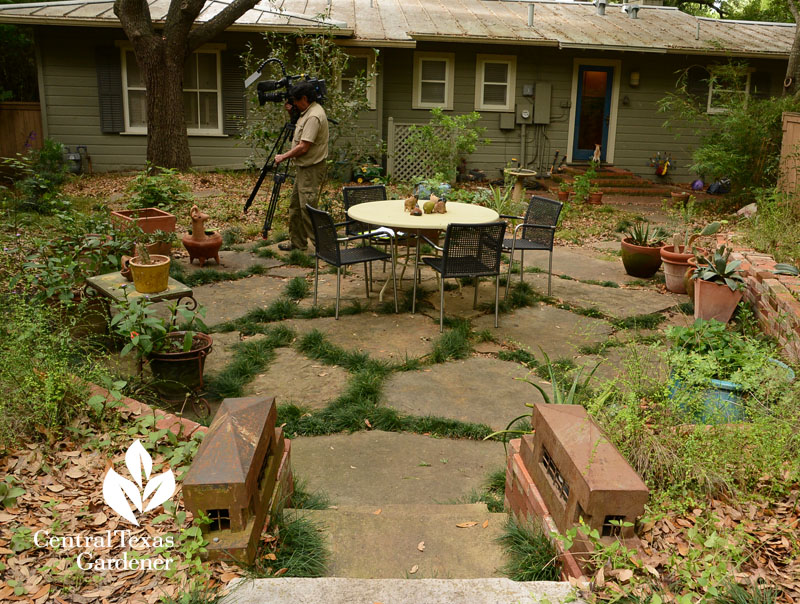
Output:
x=308 y=183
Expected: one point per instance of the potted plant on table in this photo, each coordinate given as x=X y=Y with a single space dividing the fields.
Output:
x=718 y=286
x=175 y=354
x=641 y=250
x=150 y=272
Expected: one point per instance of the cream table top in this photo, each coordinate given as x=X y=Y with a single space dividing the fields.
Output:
x=391 y=213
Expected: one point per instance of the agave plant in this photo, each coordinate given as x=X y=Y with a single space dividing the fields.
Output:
x=642 y=235
x=786 y=269
x=720 y=269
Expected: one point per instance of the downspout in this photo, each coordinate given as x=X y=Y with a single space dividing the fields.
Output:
x=40 y=83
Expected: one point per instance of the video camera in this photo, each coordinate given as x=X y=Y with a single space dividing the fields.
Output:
x=278 y=91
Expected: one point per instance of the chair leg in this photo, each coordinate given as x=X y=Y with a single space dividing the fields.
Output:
x=366 y=277
x=550 y=275
x=522 y=266
x=475 y=297
x=338 y=282
x=394 y=277
x=496 y=300
x=510 y=264
x=441 y=304
x=316 y=278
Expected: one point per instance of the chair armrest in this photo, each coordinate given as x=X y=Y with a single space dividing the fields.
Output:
x=531 y=225
x=441 y=249
x=381 y=231
x=512 y=217
x=341 y=224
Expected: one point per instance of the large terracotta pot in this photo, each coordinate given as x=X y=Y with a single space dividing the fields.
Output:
x=640 y=261
x=688 y=282
x=714 y=300
x=149 y=220
x=178 y=374
x=675 y=265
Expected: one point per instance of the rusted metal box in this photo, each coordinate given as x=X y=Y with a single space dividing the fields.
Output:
x=580 y=474
x=234 y=474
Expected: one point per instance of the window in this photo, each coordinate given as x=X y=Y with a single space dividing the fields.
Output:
x=202 y=101
x=495 y=81
x=220 y=520
x=550 y=468
x=722 y=89
x=358 y=64
x=612 y=526
x=433 y=80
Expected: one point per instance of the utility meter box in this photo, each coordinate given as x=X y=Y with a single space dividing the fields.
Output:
x=541 y=103
x=507 y=121
x=524 y=115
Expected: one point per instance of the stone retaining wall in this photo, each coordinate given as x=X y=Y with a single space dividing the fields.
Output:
x=773 y=300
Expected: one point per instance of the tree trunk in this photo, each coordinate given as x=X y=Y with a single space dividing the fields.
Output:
x=162 y=68
x=791 y=85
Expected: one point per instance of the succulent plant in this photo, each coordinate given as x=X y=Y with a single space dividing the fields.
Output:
x=641 y=234
x=719 y=269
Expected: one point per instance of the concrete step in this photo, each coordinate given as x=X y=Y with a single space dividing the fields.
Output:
x=384 y=541
x=398 y=591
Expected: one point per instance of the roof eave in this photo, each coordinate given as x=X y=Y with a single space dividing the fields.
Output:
x=483 y=40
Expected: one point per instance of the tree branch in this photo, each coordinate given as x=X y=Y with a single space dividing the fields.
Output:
x=708 y=4
x=219 y=23
x=134 y=16
x=181 y=16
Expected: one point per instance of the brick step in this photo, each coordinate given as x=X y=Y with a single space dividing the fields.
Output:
x=652 y=192
x=408 y=591
x=630 y=182
x=356 y=532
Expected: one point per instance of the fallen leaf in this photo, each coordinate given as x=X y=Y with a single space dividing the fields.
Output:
x=228 y=577
x=271 y=556
x=625 y=575
x=421 y=546
x=369 y=425
x=55 y=488
x=378 y=511
x=280 y=572
x=466 y=524
x=652 y=571
x=99 y=518
x=485 y=524
x=683 y=549
x=600 y=579
x=414 y=569
x=75 y=473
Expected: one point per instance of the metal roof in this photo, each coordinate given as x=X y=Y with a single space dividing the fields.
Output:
x=563 y=24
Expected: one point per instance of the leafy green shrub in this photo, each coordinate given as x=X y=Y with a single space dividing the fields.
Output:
x=773 y=229
x=40 y=174
x=157 y=188
x=440 y=144
x=531 y=555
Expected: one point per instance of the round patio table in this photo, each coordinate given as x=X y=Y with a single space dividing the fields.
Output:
x=391 y=213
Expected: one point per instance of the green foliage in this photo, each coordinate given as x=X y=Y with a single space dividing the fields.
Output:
x=440 y=144
x=641 y=234
x=319 y=56
x=298 y=258
x=531 y=555
x=21 y=539
x=582 y=186
x=9 y=493
x=41 y=371
x=742 y=141
x=719 y=269
x=773 y=229
x=748 y=593
x=39 y=175
x=203 y=276
x=492 y=492
x=452 y=344
x=159 y=188
x=297 y=288
x=299 y=550
x=195 y=593
x=303 y=499
x=17 y=64
x=648 y=321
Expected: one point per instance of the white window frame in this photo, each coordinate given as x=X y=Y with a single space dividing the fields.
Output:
x=716 y=110
x=450 y=60
x=511 y=83
x=372 y=84
x=207 y=49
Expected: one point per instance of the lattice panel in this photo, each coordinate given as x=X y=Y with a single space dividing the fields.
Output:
x=403 y=165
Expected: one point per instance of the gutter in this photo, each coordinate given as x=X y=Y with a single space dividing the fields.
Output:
x=484 y=40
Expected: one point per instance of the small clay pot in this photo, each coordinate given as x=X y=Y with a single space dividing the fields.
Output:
x=563 y=196
x=679 y=196
x=596 y=198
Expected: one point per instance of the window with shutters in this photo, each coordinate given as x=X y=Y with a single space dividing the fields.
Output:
x=495 y=80
x=433 y=80
x=202 y=98
x=359 y=64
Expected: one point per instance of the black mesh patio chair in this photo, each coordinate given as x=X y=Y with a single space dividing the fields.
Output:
x=328 y=248
x=469 y=250
x=538 y=229
x=356 y=195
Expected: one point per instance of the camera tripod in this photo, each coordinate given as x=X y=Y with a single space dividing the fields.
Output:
x=278 y=178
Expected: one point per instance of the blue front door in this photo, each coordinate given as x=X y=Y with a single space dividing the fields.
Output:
x=592 y=111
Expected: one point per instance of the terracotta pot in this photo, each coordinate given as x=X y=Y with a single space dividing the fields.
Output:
x=563 y=196
x=688 y=282
x=640 y=261
x=675 y=265
x=163 y=248
x=180 y=373
x=150 y=278
x=149 y=220
x=205 y=249
x=680 y=196
x=595 y=198
x=714 y=300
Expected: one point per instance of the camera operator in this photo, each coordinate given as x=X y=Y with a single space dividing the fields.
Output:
x=309 y=151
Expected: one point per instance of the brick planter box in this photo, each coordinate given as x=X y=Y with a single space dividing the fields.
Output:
x=149 y=220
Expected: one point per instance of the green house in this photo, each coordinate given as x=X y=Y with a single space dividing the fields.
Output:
x=545 y=75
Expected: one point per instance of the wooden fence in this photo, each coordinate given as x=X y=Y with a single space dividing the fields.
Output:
x=20 y=128
x=790 y=153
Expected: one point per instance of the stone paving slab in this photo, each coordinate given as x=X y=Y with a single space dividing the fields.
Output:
x=579 y=264
x=615 y=302
x=365 y=544
x=222 y=351
x=641 y=359
x=229 y=261
x=559 y=332
x=380 y=468
x=228 y=300
x=393 y=337
x=480 y=390
x=293 y=378
x=399 y=591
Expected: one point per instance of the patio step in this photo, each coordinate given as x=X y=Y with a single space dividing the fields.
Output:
x=398 y=591
x=411 y=540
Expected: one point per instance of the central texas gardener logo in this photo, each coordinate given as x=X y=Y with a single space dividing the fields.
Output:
x=119 y=492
